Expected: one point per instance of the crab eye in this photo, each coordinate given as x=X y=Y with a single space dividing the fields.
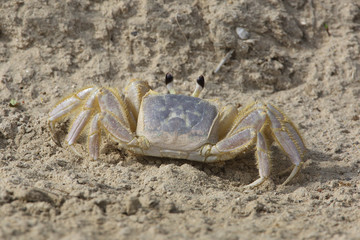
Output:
x=201 y=81
x=169 y=83
x=168 y=78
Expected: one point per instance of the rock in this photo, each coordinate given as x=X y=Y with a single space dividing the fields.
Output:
x=36 y=195
x=132 y=205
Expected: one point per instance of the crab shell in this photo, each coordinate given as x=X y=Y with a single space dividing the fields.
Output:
x=177 y=125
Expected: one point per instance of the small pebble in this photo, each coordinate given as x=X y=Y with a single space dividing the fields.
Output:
x=170 y=207
x=242 y=33
x=132 y=205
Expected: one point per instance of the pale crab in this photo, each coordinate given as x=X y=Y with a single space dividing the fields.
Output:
x=178 y=126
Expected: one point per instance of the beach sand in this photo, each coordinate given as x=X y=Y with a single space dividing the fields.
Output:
x=301 y=55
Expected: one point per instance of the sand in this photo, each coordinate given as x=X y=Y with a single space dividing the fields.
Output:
x=302 y=55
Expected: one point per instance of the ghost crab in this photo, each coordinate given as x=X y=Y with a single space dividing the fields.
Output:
x=178 y=126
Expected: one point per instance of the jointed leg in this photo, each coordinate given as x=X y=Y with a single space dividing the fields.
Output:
x=82 y=119
x=104 y=108
x=226 y=119
x=249 y=126
x=134 y=93
x=64 y=107
x=254 y=119
x=94 y=137
x=241 y=136
x=288 y=138
x=263 y=160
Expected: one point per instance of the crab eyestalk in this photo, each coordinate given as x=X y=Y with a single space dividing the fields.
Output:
x=169 y=83
x=200 y=83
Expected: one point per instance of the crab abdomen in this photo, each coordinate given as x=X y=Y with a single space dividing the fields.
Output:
x=177 y=122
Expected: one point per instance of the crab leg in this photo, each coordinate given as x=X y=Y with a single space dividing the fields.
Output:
x=234 y=144
x=115 y=128
x=134 y=93
x=253 y=124
x=77 y=126
x=255 y=118
x=226 y=119
x=66 y=107
x=68 y=104
x=242 y=134
x=114 y=116
x=81 y=120
x=63 y=108
x=263 y=160
x=288 y=138
x=274 y=114
x=113 y=104
x=94 y=137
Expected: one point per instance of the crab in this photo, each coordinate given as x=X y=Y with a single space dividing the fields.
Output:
x=179 y=126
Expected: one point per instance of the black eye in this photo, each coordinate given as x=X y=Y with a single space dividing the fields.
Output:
x=201 y=81
x=168 y=78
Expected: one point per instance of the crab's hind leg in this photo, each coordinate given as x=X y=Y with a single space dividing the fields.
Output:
x=82 y=119
x=114 y=117
x=94 y=137
x=64 y=107
x=109 y=112
x=134 y=92
x=288 y=138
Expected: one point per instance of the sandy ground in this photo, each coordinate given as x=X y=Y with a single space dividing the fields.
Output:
x=302 y=55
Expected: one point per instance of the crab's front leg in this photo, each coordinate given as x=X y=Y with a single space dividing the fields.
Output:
x=248 y=128
x=262 y=124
